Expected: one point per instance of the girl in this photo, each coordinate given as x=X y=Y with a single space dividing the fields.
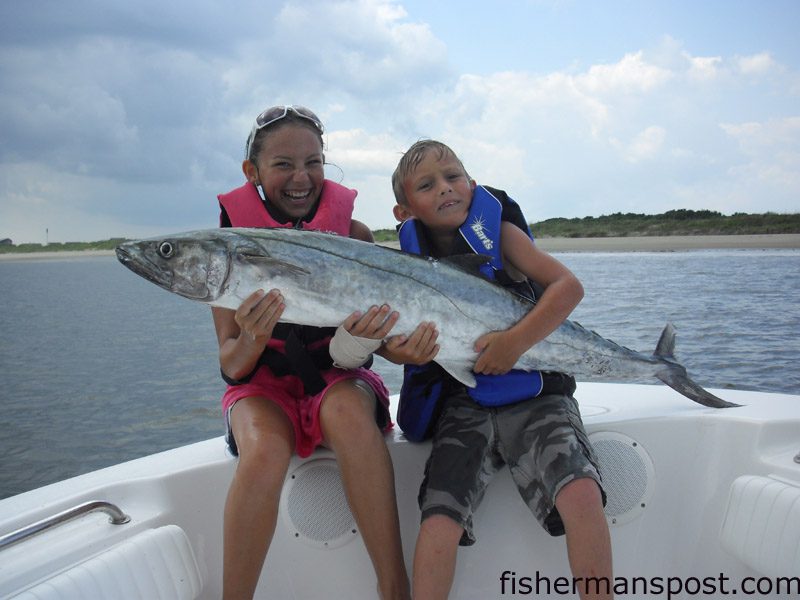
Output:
x=284 y=393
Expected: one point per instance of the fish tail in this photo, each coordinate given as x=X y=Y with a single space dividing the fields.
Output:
x=675 y=374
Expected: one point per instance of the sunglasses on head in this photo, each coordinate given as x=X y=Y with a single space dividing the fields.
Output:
x=276 y=113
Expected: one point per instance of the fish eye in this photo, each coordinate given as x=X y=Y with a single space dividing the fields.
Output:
x=166 y=249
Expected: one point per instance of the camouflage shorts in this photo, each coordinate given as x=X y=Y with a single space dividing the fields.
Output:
x=542 y=440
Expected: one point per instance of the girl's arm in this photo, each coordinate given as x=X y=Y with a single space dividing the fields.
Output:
x=243 y=333
x=359 y=231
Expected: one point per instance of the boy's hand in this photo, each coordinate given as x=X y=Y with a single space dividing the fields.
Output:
x=417 y=349
x=360 y=335
x=497 y=353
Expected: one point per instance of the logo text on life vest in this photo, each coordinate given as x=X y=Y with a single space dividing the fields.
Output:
x=478 y=227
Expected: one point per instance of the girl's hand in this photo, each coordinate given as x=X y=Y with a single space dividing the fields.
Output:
x=258 y=314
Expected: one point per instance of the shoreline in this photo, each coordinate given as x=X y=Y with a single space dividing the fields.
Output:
x=53 y=255
x=673 y=243
x=669 y=243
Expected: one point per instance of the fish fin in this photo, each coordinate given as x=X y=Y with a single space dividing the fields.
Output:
x=666 y=343
x=674 y=375
x=460 y=371
x=278 y=265
x=470 y=263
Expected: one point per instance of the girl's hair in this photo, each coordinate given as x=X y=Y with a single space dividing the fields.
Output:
x=411 y=160
x=257 y=136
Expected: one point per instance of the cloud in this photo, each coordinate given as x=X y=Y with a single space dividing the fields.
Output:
x=756 y=137
x=756 y=64
x=646 y=144
x=359 y=48
x=703 y=68
x=137 y=91
x=632 y=74
x=771 y=152
x=362 y=152
x=122 y=118
x=136 y=98
x=365 y=161
x=636 y=134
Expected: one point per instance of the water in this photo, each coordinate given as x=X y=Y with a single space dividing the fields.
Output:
x=98 y=366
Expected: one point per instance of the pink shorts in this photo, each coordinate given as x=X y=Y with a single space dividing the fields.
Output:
x=302 y=410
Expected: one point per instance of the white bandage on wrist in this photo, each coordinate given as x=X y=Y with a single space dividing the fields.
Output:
x=349 y=351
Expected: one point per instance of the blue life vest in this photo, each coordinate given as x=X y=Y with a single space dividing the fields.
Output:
x=423 y=384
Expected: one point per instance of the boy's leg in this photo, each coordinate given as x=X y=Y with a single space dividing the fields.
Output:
x=547 y=445
x=435 y=557
x=461 y=465
x=265 y=439
x=347 y=418
x=580 y=505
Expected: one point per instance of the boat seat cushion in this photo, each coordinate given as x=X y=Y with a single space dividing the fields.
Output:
x=762 y=525
x=157 y=564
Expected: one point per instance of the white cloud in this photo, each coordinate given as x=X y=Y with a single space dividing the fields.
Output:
x=363 y=46
x=575 y=143
x=361 y=151
x=771 y=152
x=756 y=64
x=632 y=74
x=703 y=68
x=135 y=117
x=756 y=137
x=645 y=145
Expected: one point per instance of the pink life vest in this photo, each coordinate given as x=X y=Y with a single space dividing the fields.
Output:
x=245 y=208
x=286 y=353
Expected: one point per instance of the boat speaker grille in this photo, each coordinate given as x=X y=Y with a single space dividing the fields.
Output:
x=628 y=475
x=315 y=507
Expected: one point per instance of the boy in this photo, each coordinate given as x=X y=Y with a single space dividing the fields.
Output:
x=444 y=213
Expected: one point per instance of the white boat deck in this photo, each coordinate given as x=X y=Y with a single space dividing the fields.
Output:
x=697 y=497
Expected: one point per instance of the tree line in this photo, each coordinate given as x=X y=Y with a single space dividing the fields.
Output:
x=673 y=222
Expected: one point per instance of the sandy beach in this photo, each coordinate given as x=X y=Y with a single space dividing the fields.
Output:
x=673 y=243
x=64 y=254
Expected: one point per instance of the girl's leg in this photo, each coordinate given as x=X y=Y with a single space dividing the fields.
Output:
x=347 y=418
x=265 y=439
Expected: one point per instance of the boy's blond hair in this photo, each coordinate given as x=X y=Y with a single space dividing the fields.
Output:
x=410 y=161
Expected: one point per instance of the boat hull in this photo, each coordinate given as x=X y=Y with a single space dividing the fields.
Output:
x=679 y=478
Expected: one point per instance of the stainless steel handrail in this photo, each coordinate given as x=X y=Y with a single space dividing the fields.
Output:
x=117 y=517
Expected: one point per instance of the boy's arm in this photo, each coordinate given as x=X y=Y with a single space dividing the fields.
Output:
x=500 y=350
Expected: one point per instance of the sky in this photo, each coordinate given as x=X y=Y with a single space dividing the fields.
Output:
x=127 y=118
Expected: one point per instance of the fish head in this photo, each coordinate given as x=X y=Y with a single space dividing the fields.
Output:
x=194 y=265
